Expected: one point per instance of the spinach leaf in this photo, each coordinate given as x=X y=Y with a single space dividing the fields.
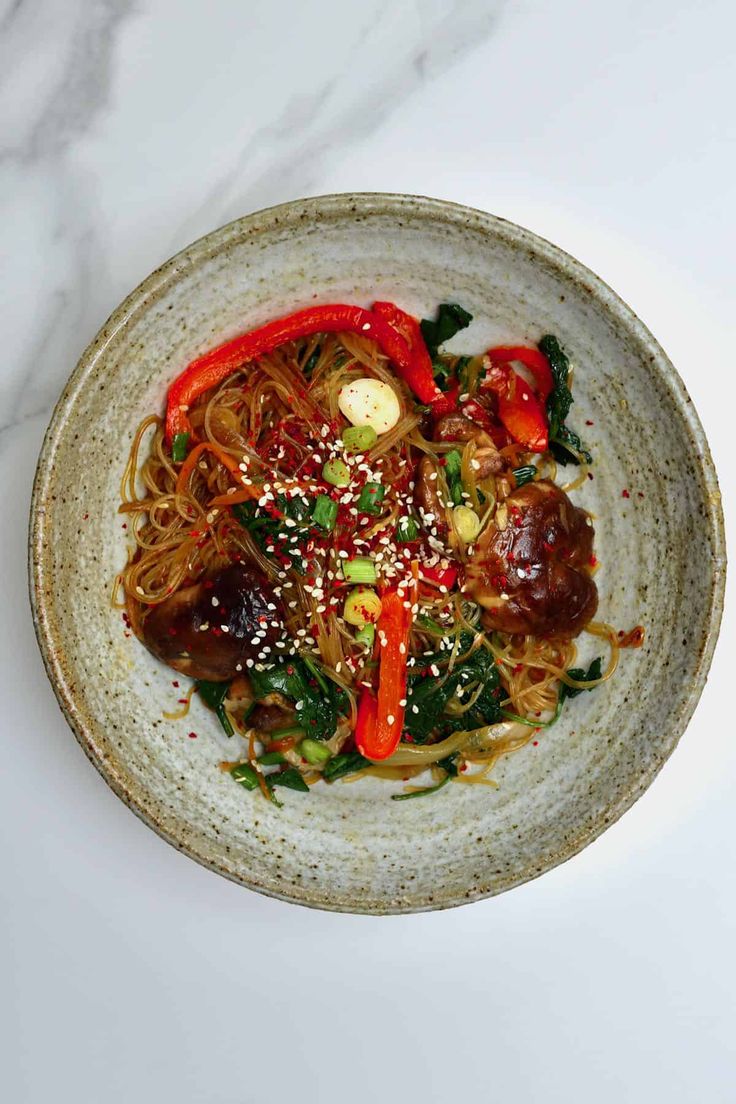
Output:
x=308 y=368
x=581 y=675
x=524 y=475
x=559 y=403
x=291 y=779
x=451 y=318
x=443 y=374
x=264 y=529
x=340 y=765
x=317 y=709
x=453 y=467
x=563 y=455
x=427 y=699
x=213 y=695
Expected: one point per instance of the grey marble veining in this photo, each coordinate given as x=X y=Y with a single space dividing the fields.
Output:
x=61 y=95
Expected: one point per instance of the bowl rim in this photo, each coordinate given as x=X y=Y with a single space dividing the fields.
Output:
x=365 y=204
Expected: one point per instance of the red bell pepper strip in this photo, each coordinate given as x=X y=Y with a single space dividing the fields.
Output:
x=519 y=408
x=422 y=381
x=215 y=366
x=440 y=576
x=365 y=725
x=378 y=737
x=532 y=359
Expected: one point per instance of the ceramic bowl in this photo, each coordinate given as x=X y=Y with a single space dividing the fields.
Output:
x=654 y=495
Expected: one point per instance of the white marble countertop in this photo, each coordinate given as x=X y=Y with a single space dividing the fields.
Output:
x=129 y=129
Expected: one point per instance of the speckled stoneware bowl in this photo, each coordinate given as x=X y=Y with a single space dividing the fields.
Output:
x=348 y=846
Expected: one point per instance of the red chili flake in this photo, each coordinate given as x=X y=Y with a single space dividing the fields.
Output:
x=192 y=735
x=126 y=619
x=590 y=475
x=175 y=683
x=125 y=526
x=182 y=701
x=593 y=560
x=640 y=494
x=588 y=422
x=547 y=546
x=84 y=517
x=464 y=767
x=518 y=668
x=536 y=743
x=625 y=494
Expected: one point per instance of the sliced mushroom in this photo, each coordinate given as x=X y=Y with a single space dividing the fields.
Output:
x=427 y=496
x=456 y=427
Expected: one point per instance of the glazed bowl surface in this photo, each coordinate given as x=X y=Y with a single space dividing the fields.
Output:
x=654 y=496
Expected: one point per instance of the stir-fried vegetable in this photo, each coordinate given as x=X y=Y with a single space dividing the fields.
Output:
x=318 y=704
x=179 y=447
x=325 y=512
x=474 y=681
x=558 y=406
x=370 y=498
x=211 y=369
x=213 y=695
x=360 y=569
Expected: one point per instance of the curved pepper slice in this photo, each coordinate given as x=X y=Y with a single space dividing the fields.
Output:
x=421 y=381
x=381 y=718
x=533 y=359
x=520 y=410
x=213 y=367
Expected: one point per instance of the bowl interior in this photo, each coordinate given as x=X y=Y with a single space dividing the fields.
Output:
x=654 y=494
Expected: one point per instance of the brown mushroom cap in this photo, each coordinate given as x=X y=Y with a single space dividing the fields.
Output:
x=208 y=630
x=533 y=574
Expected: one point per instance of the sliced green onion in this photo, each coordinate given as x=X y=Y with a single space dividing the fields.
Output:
x=359 y=438
x=524 y=475
x=325 y=512
x=371 y=498
x=271 y=758
x=362 y=606
x=289 y=730
x=179 y=447
x=467 y=523
x=245 y=775
x=366 y=635
x=314 y=751
x=361 y=569
x=290 y=778
x=336 y=472
x=407 y=530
